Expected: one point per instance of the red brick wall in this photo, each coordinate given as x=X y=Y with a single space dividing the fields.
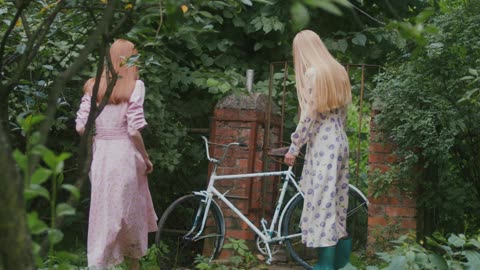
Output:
x=394 y=212
x=246 y=126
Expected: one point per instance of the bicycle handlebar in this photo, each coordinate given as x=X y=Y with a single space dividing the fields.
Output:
x=226 y=146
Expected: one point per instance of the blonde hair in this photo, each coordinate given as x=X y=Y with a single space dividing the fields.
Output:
x=120 y=51
x=331 y=87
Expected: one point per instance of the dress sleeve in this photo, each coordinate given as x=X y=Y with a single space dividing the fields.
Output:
x=135 y=115
x=83 y=111
x=303 y=132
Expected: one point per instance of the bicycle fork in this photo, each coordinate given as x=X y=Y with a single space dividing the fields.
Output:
x=200 y=216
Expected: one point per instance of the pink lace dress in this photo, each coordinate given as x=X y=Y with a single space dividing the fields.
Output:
x=121 y=208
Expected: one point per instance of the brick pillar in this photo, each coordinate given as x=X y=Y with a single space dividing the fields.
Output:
x=393 y=212
x=243 y=118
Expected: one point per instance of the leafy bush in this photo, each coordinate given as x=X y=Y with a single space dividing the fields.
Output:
x=426 y=108
x=454 y=252
x=244 y=258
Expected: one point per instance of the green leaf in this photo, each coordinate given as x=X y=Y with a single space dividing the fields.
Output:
x=202 y=266
x=344 y=3
x=328 y=6
x=238 y=22
x=224 y=87
x=35 y=119
x=65 y=266
x=55 y=236
x=212 y=82
x=257 y=46
x=473 y=259
x=35 y=190
x=39 y=150
x=64 y=156
x=473 y=71
x=206 y=14
x=64 y=209
x=67 y=256
x=263 y=2
x=342 y=45
x=300 y=16
x=35 y=225
x=73 y=189
x=438 y=261
x=60 y=176
x=456 y=241
x=398 y=262
x=40 y=176
x=424 y=15
x=21 y=159
x=359 y=39
x=54 y=162
x=247 y=2
x=50 y=158
x=475 y=243
x=467 y=78
x=206 y=60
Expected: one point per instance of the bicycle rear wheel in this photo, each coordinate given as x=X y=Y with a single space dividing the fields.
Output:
x=180 y=223
x=357 y=217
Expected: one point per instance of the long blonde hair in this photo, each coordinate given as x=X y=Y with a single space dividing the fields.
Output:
x=331 y=87
x=120 y=51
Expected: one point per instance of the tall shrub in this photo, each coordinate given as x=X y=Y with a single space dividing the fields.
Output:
x=421 y=96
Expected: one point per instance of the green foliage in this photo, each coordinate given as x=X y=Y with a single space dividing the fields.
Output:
x=358 y=140
x=149 y=261
x=427 y=109
x=454 y=252
x=301 y=16
x=52 y=169
x=473 y=79
x=244 y=258
x=192 y=53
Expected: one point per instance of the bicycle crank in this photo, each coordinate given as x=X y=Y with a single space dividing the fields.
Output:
x=262 y=246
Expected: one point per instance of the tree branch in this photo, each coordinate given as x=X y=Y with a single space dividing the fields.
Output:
x=26 y=27
x=3 y=43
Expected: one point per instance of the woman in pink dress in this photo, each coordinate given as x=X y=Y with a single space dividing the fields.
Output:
x=121 y=208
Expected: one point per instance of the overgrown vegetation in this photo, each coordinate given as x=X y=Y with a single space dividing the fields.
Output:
x=194 y=52
x=428 y=100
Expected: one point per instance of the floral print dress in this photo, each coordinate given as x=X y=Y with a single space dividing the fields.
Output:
x=324 y=180
x=121 y=208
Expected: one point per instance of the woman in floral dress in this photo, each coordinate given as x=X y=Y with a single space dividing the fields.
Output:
x=121 y=208
x=323 y=90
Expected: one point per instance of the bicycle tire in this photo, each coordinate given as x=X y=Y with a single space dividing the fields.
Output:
x=357 y=218
x=176 y=249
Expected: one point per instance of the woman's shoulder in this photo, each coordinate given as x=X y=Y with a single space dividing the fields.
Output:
x=139 y=86
x=139 y=83
x=138 y=92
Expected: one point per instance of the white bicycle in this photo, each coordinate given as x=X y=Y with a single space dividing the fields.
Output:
x=194 y=224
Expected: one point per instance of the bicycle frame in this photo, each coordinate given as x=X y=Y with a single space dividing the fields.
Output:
x=211 y=191
x=288 y=177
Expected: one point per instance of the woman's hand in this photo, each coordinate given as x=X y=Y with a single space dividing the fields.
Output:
x=149 y=165
x=290 y=159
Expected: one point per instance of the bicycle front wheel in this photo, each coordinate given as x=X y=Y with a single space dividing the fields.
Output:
x=177 y=230
x=357 y=217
